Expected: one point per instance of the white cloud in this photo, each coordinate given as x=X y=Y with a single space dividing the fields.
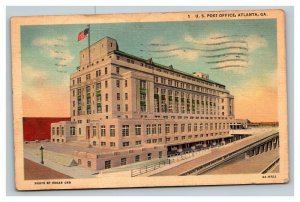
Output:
x=190 y=55
x=56 y=48
x=33 y=76
x=211 y=38
x=255 y=42
x=64 y=58
x=41 y=41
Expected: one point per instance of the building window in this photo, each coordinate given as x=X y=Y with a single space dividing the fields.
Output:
x=153 y=128
x=94 y=131
x=143 y=93
x=139 y=142
x=98 y=73
x=103 y=143
x=125 y=144
x=98 y=86
x=112 y=144
x=112 y=131
x=148 y=141
x=137 y=158
x=189 y=127
x=149 y=156
x=195 y=127
x=118 y=70
x=125 y=130
x=148 y=129
x=94 y=143
x=126 y=96
x=118 y=96
x=89 y=164
x=182 y=128
x=88 y=89
x=79 y=161
x=103 y=130
x=106 y=108
x=88 y=109
x=167 y=128
x=105 y=70
x=175 y=128
x=123 y=161
x=118 y=108
x=138 y=129
x=53 y=131
x=88 y=77
x=106 y=84
x=160 y=154
x=57 y=131
x=99 y=108
x=106 y=96
x=159 y=129
x=107 y=164
x=126 y=107
x=118 y=83
x=125 y=83
x=72 y=130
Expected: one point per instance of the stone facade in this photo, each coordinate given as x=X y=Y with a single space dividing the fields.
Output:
x=122 y=103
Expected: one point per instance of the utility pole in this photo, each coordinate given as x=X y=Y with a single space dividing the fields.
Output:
x=42 y=154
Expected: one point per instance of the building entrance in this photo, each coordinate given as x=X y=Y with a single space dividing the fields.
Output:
x=88 y=135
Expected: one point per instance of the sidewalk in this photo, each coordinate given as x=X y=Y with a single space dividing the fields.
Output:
x=74 y=172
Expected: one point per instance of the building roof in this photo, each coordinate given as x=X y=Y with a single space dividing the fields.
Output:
x=38 y=128
x=170 y=68
x=150 y=61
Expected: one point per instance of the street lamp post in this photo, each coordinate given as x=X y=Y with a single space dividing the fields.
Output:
x=42 y=154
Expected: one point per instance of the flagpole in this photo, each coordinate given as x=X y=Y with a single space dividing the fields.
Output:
x=89 y=41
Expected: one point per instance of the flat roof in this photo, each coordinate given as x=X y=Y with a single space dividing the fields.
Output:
x=170 y=68
x=147 y=61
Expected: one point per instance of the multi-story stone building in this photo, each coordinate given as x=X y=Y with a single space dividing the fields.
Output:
x=130 y=109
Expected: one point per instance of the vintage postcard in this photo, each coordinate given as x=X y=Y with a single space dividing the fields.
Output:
x=151 y=99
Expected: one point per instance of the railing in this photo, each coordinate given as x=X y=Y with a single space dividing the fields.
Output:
x=148 y=168
x=171 y=159
x=220 y=160
x=271 y=166
x=188 y=154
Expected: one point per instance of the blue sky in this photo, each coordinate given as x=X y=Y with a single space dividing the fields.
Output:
x=176 y=43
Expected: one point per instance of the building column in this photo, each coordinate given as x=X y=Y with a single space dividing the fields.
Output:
x=262 y=149
x=247 y=155
x=271 y=144
x=266 y=147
